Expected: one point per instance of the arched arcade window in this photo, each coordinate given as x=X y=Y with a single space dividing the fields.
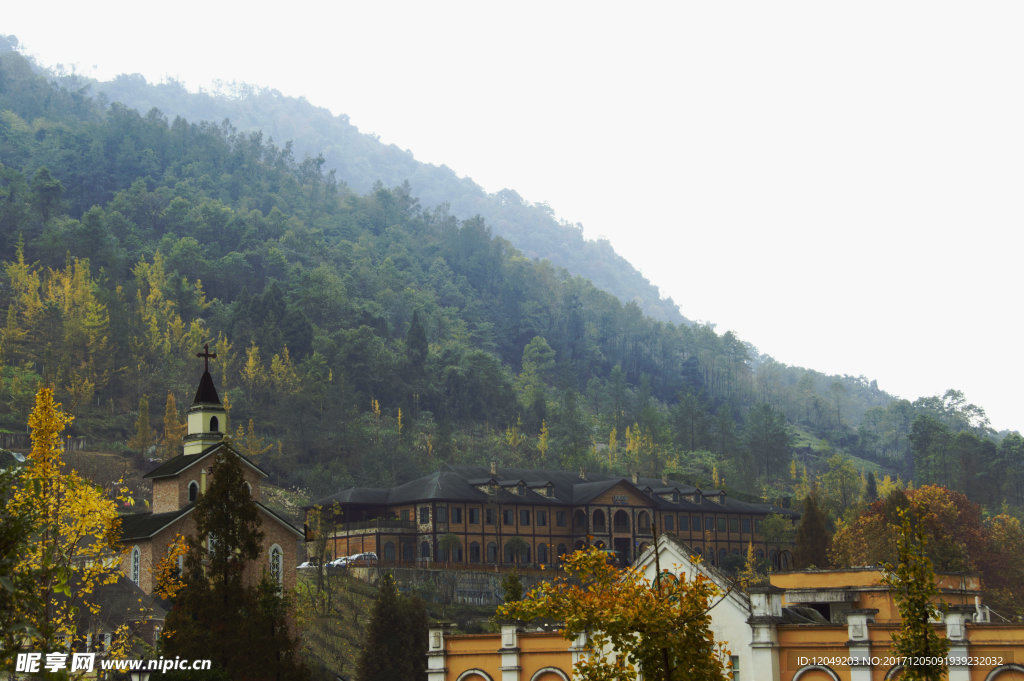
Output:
x=620 y=521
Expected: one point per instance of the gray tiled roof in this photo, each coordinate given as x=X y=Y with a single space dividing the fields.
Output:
x=172 y=467
x=136 y=526
x=464 y=482
x=145 y=525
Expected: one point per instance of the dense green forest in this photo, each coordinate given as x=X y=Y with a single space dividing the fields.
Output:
x=364 y=337
x=361 y=161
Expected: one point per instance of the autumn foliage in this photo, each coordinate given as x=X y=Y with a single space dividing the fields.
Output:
x=957 y=539
x=915 y=591
x=632 y=625
x=73 y=544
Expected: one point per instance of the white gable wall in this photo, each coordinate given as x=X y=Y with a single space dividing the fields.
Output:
x=730 y=611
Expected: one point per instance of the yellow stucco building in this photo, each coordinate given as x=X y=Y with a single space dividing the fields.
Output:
x=818 y=625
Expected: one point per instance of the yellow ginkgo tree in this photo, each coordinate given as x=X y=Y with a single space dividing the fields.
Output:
x=661 y=630
x=73 y=545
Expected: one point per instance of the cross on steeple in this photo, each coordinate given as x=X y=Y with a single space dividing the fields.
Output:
x=207 y=356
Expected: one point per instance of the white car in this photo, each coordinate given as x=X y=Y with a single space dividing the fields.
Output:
x=341 y=562
x=308 y=565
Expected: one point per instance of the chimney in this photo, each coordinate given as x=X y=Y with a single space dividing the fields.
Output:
x=636 y=478
x=664 y=479
x=494 y=467
x=583 y=473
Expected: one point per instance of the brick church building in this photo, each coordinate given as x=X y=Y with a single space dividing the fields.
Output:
x=177 y=484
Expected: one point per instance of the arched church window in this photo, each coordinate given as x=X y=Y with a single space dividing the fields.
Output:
x=214 y=425
x=276 y=567
x=136 y=564
x=193 y=491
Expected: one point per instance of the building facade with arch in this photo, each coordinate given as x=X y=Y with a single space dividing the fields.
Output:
x=813 y=625
x=520 y=656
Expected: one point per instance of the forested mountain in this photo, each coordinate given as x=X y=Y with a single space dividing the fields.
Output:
x=366 y=337
x=361 y=161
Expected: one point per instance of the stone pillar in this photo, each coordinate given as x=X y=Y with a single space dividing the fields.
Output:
x=436 y=668
x=956 y=631
x=765 y=614
x=578 y=649
x=859 y=643
x=509 y=652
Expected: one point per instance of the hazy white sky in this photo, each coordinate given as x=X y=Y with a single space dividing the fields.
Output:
x=838 y=183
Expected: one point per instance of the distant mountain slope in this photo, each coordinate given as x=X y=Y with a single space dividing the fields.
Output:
x=361 y=161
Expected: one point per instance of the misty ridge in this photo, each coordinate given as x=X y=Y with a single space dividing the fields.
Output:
x=375 y=317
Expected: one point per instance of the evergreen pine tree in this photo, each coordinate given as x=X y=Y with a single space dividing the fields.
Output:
x=416 y=346
x=395 y=639
x=228 y=531
x=871 y=488
x=512 y=587
x=812 y=536
x=243 y=629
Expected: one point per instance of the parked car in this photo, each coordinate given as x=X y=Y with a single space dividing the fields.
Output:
x=340 y=562
x=308 y=565
x=363 y=559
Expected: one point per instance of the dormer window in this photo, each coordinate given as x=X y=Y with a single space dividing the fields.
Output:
x=546 y=489
x=489 y=486
x=521 y=489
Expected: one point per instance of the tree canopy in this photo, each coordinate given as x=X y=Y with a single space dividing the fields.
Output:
x=395 y=637
x=632 y=626
x=67 y=531
x=128 y=239
x=915 y=590
x=221 y=613
x=956 y=539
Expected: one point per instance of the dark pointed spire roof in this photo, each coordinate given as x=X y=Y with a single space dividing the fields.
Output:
x=206 y=393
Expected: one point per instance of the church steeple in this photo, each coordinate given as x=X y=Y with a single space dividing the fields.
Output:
x=206 y=415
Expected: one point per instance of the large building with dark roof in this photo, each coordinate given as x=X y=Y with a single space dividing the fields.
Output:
x=469 y=515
